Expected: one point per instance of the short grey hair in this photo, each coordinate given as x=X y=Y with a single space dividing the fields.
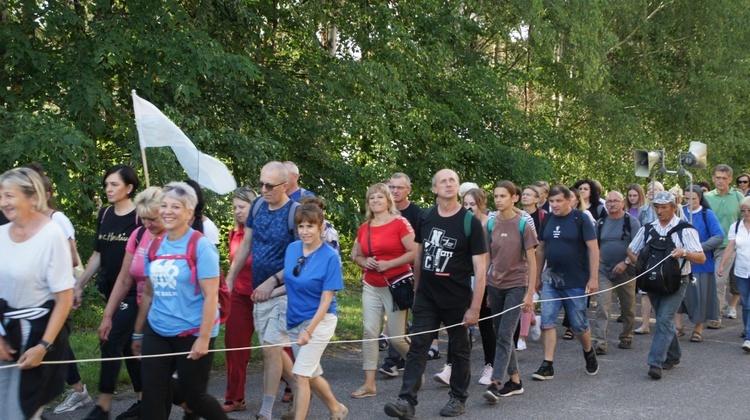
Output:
x=401 y=175
x=182 y=192
x=291 y=167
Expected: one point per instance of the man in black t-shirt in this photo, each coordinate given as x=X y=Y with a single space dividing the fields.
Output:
x=452 y=247
x=400 y=186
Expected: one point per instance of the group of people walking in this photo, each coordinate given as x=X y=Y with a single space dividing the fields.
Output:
x=157 y=265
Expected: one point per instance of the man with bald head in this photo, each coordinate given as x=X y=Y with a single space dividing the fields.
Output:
x=615 y=231
x=267 y=236
x=293 y=190
x=451 y=247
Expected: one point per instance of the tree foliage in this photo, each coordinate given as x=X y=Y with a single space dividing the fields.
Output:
x=355 y=90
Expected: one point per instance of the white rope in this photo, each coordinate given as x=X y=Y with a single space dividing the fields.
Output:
x=185 y=353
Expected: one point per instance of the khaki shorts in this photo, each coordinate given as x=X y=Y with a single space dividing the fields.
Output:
x=270 y=321
x=307 y=357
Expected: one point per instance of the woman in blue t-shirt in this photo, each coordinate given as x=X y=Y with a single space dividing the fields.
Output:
x=312 y=275
x=181 y=297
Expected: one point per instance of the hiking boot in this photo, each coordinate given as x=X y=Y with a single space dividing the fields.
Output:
x=444 y=376
x=625 y=345
x=402 y=409
x=545 y=372
x=454 y=408
x=74 y=401
x=511 y=388
x=486 y=377
x=388 y=369
x=654 y=372
x=132 y=413
x=669 y=364
x=592 y=365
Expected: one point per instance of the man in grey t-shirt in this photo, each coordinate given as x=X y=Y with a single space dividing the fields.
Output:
x=615 y=233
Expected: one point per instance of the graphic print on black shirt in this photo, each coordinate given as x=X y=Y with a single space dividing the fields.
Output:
x=111 y=238
x=446 y=262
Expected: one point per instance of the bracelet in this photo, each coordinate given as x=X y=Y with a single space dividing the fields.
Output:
x=278 y=280
x=136 y=336
x=309 y=332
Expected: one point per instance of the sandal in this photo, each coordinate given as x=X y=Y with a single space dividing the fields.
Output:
x=363 y=392
x=696 y=337
x=433 y=354
x=568 y=334
x=288 y=396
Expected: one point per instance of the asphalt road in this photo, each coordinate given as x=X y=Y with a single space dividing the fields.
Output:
x=711 y=382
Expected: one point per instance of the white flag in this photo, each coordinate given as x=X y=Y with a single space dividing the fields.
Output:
x=156 y=130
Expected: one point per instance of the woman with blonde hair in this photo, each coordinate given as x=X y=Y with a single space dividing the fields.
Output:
x=35 y=299
x=384 y=249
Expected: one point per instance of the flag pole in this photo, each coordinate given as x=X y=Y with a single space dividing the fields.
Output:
x=143 y=151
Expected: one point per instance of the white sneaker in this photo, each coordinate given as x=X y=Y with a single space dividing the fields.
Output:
x=521 y=345
x=731 y=313
x=486 y=377
x=444 y=377
x=535 y=332
x=746 y=346
x=74 y=401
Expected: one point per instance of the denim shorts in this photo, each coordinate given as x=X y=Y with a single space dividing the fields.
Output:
x=575 y=308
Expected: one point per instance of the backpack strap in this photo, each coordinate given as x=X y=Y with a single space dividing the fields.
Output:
x=290 y=220
x=736 y=228
x=467 y=223
x=191 y=255
x=141 y=230
x=521 y=229
x=256 y=206
x=599 y=226
x=490 y=226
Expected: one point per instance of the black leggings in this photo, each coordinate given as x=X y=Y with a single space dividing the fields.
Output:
x=72 y=377
x=117 y=345
x=192 y=378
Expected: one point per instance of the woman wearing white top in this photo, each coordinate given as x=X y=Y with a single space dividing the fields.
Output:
x=37 y=277
x=739 y=241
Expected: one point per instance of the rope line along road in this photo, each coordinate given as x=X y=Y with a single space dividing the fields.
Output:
x=150 y=356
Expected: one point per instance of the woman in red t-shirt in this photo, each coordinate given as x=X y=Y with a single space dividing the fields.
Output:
x=239 y=325
x=385 y=250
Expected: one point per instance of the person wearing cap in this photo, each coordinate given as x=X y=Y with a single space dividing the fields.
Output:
x=665 y=348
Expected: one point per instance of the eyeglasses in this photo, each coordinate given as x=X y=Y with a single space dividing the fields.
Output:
x=743 y=181
x=149 y=219
x=613 y=201
x=396 y=187
x=744 y=210
x=298 y=268
x=268 y=186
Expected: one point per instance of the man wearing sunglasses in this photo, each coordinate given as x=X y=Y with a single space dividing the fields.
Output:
x=267 y=236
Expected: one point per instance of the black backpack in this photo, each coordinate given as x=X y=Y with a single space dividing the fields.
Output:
x=661 y=278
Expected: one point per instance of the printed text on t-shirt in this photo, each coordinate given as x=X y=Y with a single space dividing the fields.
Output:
x=436 y=254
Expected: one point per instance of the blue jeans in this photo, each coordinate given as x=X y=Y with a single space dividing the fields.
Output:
x=665 y=345
x=505 y=325
x=575 y=308
x=743 y=283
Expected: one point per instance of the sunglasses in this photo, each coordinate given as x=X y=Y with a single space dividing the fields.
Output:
x=179 y=190
x=268 y=186
x=743 y=181
x=298 y=268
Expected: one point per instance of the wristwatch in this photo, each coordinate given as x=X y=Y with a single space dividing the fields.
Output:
x=627 y=261
x=47 y=346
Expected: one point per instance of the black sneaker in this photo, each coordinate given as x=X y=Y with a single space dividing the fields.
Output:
x=545 y=372
x=401 y=364
x=97 y=413
x=625 y=345
x=654 y=372
x=669 y=364
x=132 y=413
x=492 y=394
x=388 y=369
x=453 y=408
x=511 y=388
x=402 y=409
x=592 y=365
